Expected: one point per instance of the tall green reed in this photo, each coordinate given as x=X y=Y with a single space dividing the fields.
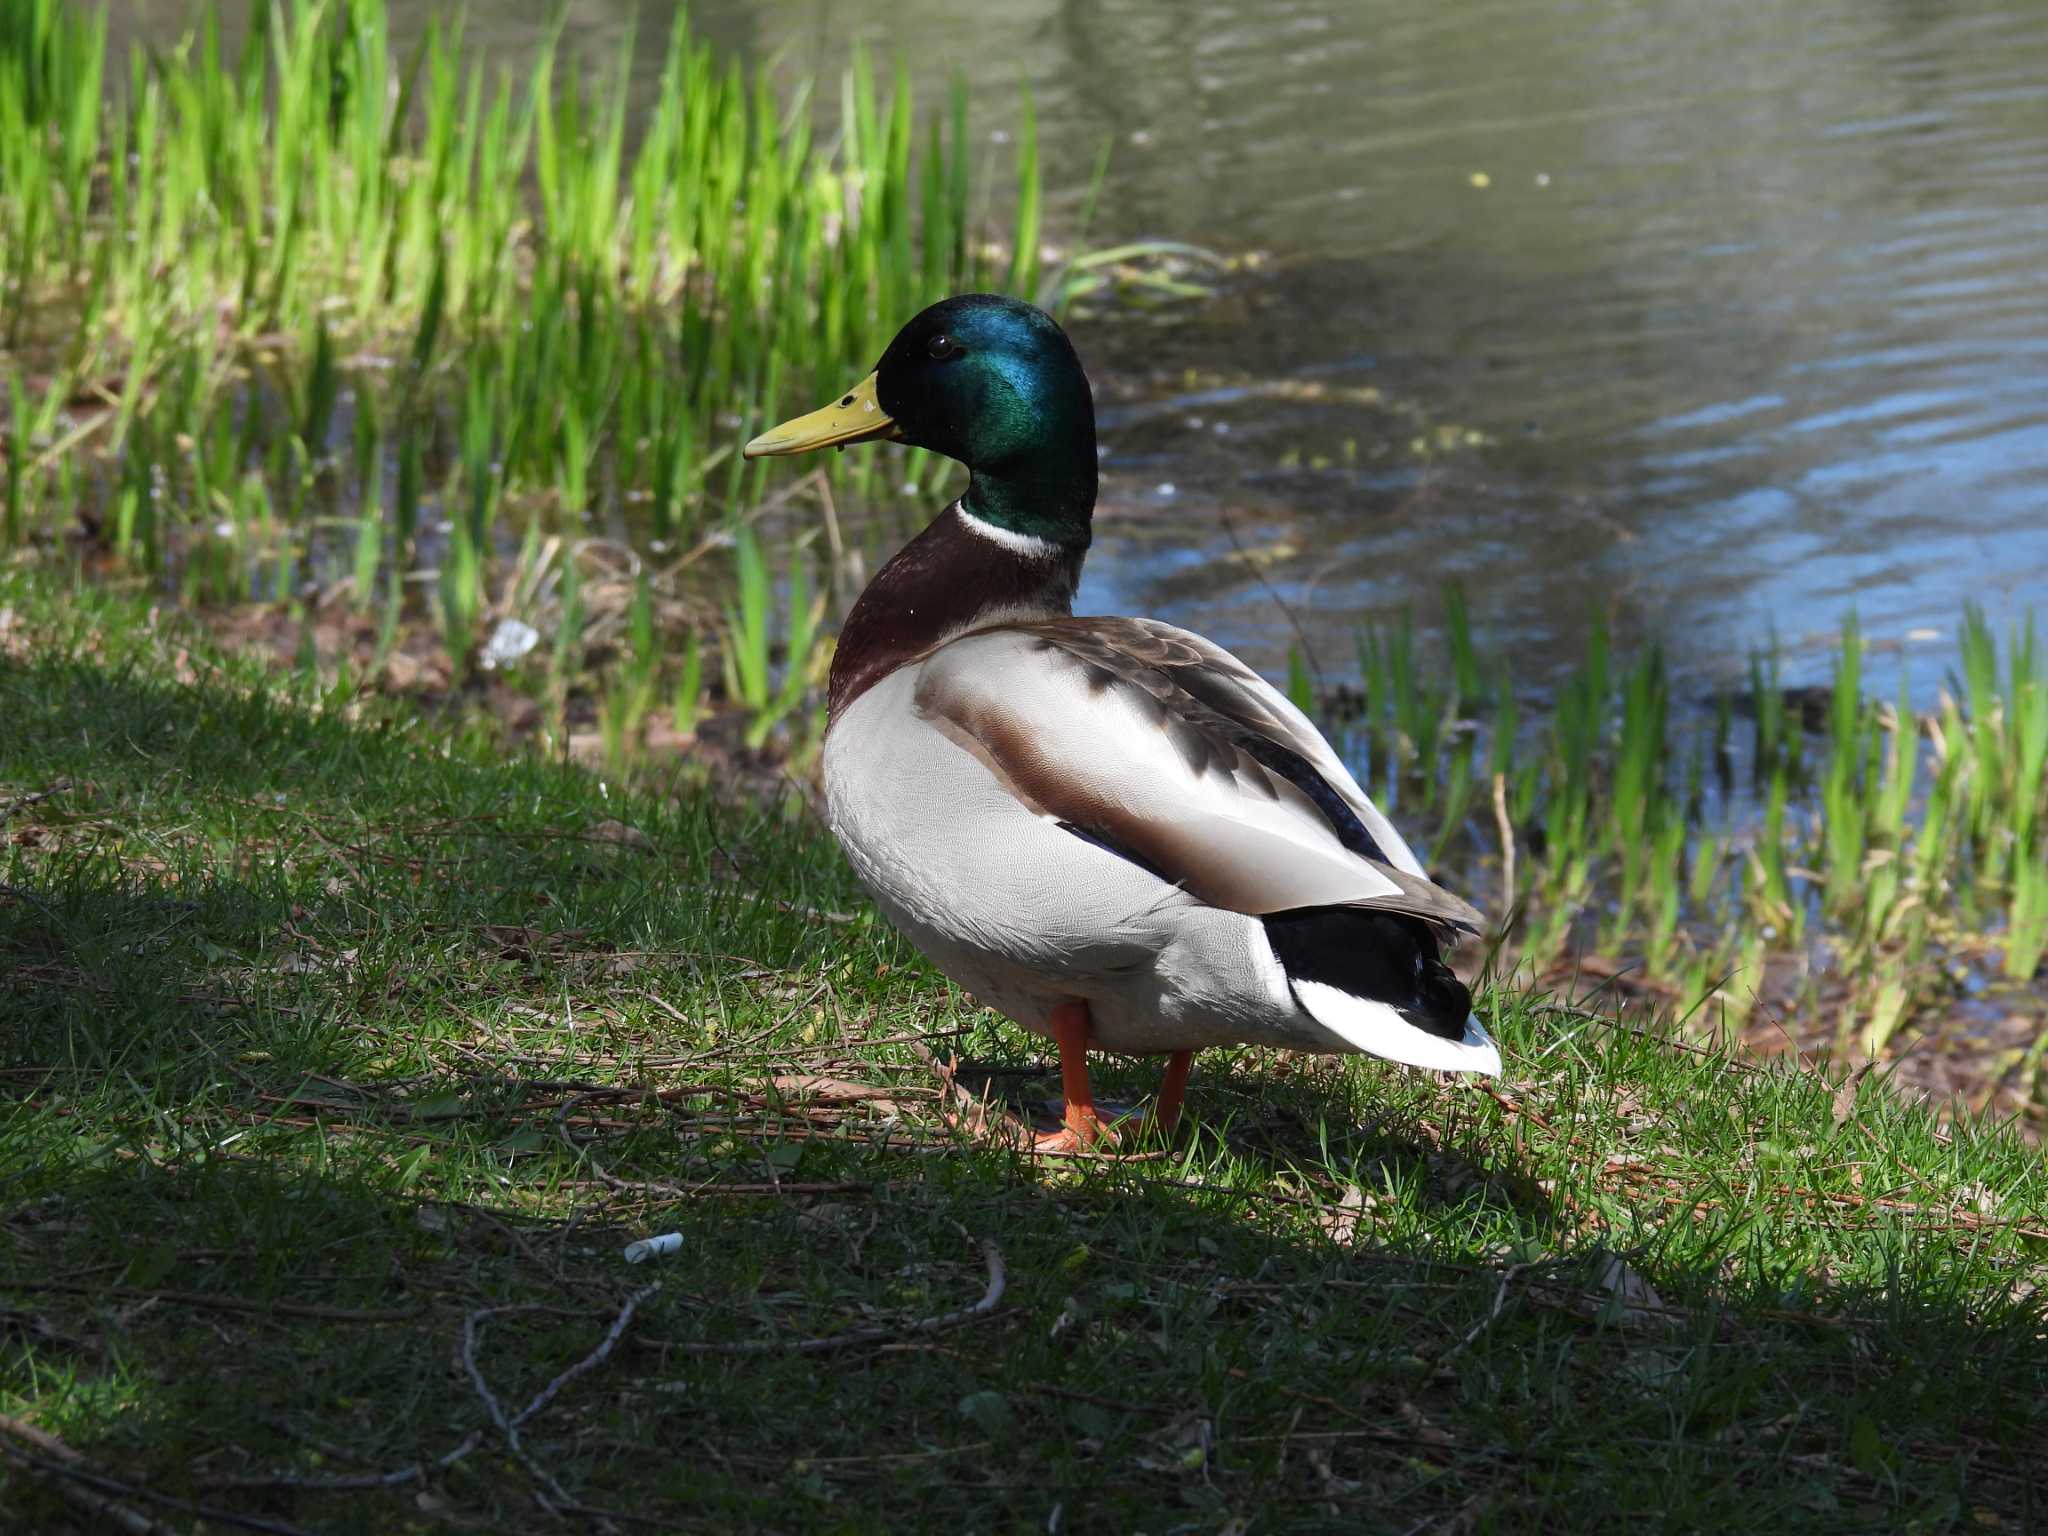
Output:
x=1864 y=844
x=266 y=241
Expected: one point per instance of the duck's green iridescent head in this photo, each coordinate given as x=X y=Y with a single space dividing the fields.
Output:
x=993 y=383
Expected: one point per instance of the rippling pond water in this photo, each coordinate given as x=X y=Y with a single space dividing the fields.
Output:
x=1725 y=316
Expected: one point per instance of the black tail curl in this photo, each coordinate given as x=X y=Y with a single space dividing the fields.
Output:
x=1383 y=956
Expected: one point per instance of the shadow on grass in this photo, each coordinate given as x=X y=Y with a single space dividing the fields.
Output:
x=287 y=1115
x=1298 y=1119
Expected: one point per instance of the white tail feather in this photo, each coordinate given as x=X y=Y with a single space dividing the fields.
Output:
x=1380 y=1031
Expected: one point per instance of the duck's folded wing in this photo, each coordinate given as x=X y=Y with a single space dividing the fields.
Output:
x=1169 y=750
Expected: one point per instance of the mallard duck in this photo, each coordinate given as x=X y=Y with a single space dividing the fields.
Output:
x=1111 y=830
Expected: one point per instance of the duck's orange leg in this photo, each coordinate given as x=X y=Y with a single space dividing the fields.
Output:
x=1082 y=1127
x=1173 y=1088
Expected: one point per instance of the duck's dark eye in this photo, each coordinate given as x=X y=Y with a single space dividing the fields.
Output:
x=941 y=346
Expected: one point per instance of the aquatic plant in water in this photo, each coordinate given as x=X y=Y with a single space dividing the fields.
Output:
x=304 y=309
x=1873 y=854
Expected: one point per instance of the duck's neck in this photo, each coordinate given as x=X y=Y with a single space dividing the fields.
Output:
x=1047 y=489
x=961 y=572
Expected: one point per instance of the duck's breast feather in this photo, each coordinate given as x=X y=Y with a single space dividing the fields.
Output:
x=1003 y=898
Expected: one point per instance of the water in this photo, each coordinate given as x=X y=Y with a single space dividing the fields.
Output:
x=1746 y=305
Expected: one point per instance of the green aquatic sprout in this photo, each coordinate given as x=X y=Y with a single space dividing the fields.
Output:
x=1376 y=681
x=487 y=259
x=2026 y=923
x=689 y=691
x=750 y=640
x=20 y=445
x=1608 y=815
x=1468 y=688
x=630 y=692
x=1301 y=690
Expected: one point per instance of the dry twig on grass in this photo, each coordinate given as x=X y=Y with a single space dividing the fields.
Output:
x=563 y=1500
x=509 y=1427
x=33 y=797
x=990 y=1299
x=78 y=1495
x=964 y=1112
x=1500 y=1300
x=209 y=1301
x=94 y=1493
x=1505 y=825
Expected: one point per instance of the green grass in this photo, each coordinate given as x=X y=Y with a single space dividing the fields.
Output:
x=330 y=1038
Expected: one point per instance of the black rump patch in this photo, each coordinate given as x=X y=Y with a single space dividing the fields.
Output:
x=1386 y=957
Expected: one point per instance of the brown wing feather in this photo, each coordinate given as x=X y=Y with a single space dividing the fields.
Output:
x=1216 y=724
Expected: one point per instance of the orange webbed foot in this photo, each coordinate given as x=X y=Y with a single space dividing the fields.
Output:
x=1084 y=1129
x=1084 y=1132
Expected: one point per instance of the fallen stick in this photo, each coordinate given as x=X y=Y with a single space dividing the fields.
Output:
x=1500 y=1300
x=219 y=1303
x=881 y=1335
x=93 y=1492
x=76 y=1494
x=417 y=1471
x=33 y=797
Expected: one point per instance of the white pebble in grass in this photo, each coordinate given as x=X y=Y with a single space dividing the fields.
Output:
x=511 y=640
x=654 y=1247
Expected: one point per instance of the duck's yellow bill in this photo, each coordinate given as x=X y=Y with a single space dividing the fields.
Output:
x=855 y=417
